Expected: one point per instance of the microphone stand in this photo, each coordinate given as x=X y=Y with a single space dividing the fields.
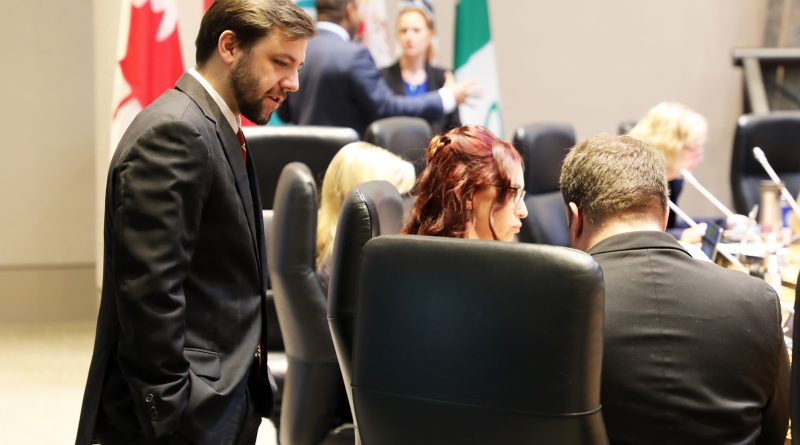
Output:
x=762 y=158
x=722 y=207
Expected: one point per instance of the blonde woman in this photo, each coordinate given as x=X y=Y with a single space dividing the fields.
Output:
x=679 y=134
x=354 y=164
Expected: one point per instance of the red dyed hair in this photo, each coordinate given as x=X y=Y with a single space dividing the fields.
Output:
x=460 y=163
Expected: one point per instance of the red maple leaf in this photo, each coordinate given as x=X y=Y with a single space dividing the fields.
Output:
x=150 y=66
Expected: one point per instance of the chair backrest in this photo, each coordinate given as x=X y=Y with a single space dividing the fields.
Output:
x=778 y=135
x=405 y=136
x=543 y=148
x=371 y=209
x=313 y=388
x=463 y=341
x=272 y=147
x=626 y=126
x=547 y=220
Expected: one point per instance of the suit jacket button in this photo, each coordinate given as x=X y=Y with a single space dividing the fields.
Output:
x=149 y=397
x=153 y=413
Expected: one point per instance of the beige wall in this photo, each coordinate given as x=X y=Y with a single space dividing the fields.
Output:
x=47 y=161
x=592 y=64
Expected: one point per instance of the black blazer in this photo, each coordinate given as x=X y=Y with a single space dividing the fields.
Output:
x=183 y=279
x=342 y=87
x=693 y=353
x=434 y=81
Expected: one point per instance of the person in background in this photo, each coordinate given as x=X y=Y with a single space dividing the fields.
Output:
x=692 y=353
x=342 y=87
x=354 y=164
x=679 y=134
x=472 y=187
x=413 y=74
x=177 y=355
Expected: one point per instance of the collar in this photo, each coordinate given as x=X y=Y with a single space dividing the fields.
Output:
x=234 y=120
x=644 y=239
x=334 y=28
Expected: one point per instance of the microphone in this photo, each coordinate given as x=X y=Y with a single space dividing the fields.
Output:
x=736 y=263
x=704 y=191
x=722 y=207
x=761 y=158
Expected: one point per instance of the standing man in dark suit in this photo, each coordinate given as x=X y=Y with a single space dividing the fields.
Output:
x=693 y=353
x=343 y=87
x=177 y=354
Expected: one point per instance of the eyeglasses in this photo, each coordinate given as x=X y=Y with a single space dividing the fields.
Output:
x=519 y=194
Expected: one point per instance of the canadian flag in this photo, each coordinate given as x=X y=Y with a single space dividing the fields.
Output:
x=148 y=56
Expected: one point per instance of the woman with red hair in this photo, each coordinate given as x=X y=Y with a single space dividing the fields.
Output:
x=472 y=187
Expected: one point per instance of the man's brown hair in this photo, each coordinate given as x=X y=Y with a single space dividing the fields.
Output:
x=332 y=10
x=250 y=20
x=614 y=177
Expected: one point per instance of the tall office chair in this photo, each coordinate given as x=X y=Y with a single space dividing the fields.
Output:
x=272 y=147
x=543 y=148
x=276 y=355
x=405 y=136
x=313 y=401
x=371 y=209
x=462 y=341
x=778 y=135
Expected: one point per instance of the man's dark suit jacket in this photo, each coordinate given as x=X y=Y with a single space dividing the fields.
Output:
x=183 y=280
x=693 y=353
x=434 y=80
x=342 y=87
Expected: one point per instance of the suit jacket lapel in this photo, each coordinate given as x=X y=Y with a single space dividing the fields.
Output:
x=230 y=145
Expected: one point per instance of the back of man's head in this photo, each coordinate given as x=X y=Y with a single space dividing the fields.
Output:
x=332 y=10
x=250 y=20
x=615 y=177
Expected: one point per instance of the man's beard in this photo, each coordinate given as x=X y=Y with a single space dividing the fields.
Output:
x=245 y=90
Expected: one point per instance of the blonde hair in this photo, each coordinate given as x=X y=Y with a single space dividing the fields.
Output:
x=354 y=164
x=670 y=127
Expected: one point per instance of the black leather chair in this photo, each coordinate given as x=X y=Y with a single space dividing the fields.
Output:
x=778 y=135
x=371 y=209
x=272 y=147
x=313 y=401
x=461 y=341
x=543 y=148
x=626 y=126
x=405 y=136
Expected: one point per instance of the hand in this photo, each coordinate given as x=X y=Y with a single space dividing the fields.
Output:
x=694 y=235
x=738 y=222
x=466 y=89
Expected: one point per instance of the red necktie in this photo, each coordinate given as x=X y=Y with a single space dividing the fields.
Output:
x=240 y=136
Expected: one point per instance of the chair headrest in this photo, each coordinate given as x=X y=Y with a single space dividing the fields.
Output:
x=543 y=147
x=444 y=313
x=272 y=147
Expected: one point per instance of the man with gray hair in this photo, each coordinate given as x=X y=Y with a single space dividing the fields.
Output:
x=693 y=353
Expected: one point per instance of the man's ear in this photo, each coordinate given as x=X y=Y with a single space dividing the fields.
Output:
x=665 y=220
x=227 y=46
x=575 y=220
